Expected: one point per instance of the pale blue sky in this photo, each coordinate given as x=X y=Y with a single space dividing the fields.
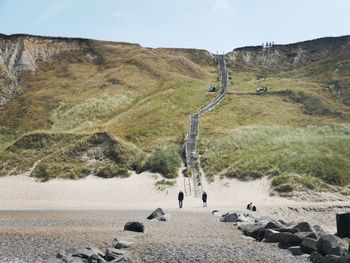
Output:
x=215 y=25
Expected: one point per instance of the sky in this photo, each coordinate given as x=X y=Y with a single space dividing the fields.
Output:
x=215 y=25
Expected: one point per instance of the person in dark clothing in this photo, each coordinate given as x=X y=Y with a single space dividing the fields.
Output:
x=204 y=199
x=249 y=206
x=180 y=198
x=254 y=208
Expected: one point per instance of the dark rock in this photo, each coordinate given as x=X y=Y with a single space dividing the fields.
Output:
x=156 y=213
x=229 y=217
x=306 y=234
x=332 y=245
x=269 y=223
x=308 y=245
x=284 y=240
x=315 y=257
x=343 y=225
x=134 y=226
x=264 y=233
x=303 y=227
x=119 y=243
x=295 y=250
x=251 y=230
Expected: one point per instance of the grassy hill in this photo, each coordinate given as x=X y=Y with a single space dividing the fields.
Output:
x=93 y=107
x=298 y=131
x=138 y=96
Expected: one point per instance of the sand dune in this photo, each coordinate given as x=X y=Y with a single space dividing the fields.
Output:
x=135 y=192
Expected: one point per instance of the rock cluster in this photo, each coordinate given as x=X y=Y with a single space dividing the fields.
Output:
x=117 y=253
x=159 y=215
x=298 y=237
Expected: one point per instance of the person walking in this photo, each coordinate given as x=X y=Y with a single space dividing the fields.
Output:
x=180 y=198
x=204 y=199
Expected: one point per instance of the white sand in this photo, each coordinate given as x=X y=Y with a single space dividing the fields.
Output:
x=135 y=192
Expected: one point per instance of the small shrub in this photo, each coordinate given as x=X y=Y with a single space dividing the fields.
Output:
x=113 y=170
x=163 y=184
x=284 y=188
x=165 y=161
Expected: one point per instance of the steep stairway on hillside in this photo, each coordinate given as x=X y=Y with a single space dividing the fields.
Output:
x=192 y=136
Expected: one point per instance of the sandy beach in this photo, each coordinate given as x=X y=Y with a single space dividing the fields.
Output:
x=39 y=219
x=135 y=192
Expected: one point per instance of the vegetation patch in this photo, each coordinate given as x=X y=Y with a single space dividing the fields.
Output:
x=289 y=182
x=88 y=113
x=319 y=152
x=67 y=155
x=163 y=184
x=312 y=104
x=165 y=160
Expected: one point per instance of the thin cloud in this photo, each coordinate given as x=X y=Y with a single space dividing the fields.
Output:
x=222 y=8
x=51 y=11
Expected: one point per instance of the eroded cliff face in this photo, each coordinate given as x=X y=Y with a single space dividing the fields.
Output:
x=19 y=53
x=288 y=56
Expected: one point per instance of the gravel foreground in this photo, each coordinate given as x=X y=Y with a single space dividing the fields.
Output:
x=35 y=236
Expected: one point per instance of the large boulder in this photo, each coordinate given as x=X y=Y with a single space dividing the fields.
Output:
x=236 y=217
x=303 y=227
x=284 y=240
x=260 y=223
x=269 y=223
x=134 y=226
x=230 y=217
x=265 y=233
x=251 y=230
x=308 y=245
x=156 y=213
x=343 y=225
x=332 y=245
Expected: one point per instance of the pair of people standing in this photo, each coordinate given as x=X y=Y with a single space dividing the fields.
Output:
x=181 y=199
x=251 y=207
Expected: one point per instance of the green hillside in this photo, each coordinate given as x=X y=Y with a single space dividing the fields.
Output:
x=105 y=108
